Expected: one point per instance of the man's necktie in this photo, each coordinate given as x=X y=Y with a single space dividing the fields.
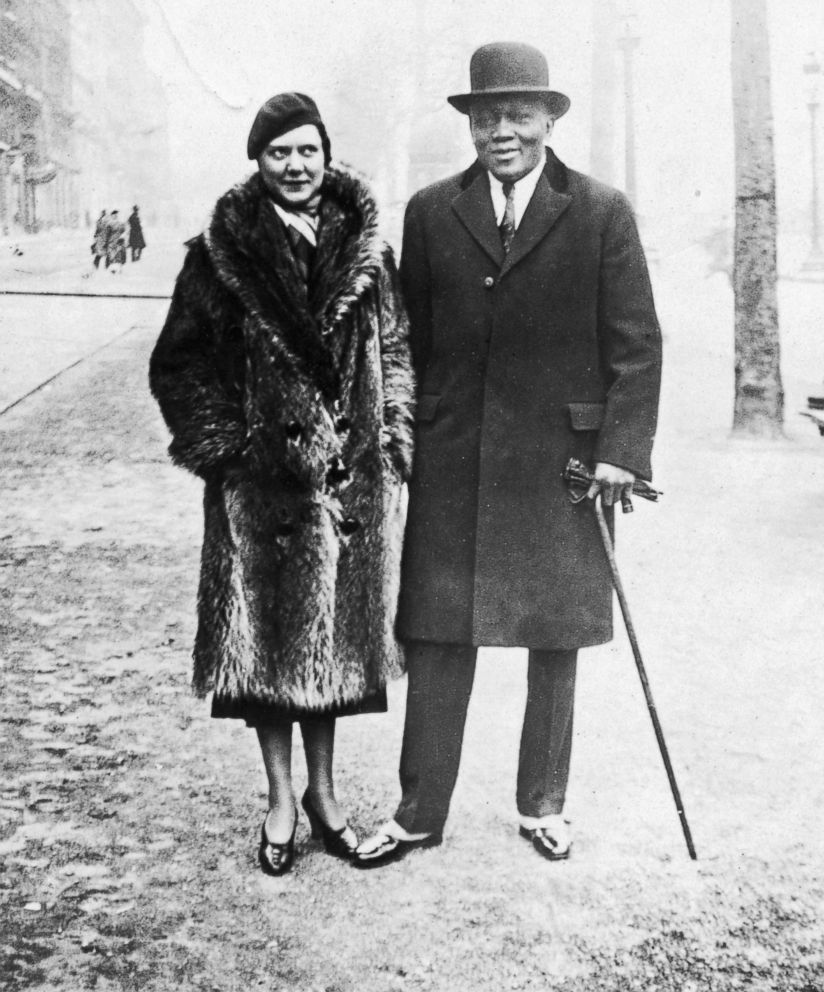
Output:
x=507 y=227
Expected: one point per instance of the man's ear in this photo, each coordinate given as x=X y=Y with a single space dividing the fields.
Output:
x=550 y=124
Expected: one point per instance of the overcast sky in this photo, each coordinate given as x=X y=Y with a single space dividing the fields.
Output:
x=220 y=61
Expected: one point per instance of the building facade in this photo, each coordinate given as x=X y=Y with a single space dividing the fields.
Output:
x=121 y=124
x=83 y=123
x=36 y=168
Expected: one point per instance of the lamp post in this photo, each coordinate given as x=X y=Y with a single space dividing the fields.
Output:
x=604 y=126
x=812 y=68
x=4 y=168
x=628 y=42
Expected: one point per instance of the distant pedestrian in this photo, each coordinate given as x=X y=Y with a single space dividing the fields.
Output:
x=115 y=242
x=284 y=374
x=100 y=238
x=136 y=240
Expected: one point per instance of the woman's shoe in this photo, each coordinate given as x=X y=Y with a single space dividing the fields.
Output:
x=276 y=859
x=340 y=843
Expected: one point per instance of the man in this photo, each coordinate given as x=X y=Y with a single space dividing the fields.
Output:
x=137 y=241
x=535 y=339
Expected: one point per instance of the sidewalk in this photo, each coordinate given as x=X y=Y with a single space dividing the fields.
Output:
x=60 y=261
x=129 y=820
x=44 y=332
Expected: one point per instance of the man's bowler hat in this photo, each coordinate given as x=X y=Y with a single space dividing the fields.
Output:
x=508 y=67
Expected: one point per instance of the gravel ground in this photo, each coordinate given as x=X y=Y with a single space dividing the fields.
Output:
x=129 y=820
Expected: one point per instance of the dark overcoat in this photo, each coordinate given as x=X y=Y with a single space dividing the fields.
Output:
x=522 y=363
x=136 y=237
x=295 y=407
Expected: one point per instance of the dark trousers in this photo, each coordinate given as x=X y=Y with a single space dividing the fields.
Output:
x=440 y=684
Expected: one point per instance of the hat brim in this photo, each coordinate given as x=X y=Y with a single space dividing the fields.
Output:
x=558 y=103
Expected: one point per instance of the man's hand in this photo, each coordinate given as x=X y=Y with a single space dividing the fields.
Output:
x=612 y=482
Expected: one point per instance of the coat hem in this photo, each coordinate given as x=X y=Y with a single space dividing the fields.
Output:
x=557 y=644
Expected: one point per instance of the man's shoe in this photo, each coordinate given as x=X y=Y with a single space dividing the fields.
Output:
x=551 y=838
x=387 y=845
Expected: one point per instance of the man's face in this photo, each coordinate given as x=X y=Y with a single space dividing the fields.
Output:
x=509 y=134
x=291 y=167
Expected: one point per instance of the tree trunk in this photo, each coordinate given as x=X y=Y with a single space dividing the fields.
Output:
x=759 y=396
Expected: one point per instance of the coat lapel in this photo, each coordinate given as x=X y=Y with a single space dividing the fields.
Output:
x=544 y=209
x=474 y=208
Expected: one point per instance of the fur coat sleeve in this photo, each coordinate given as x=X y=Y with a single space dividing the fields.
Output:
x=398 y=383
x=190 y=377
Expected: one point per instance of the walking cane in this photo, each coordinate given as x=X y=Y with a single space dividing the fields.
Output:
x=578 y=477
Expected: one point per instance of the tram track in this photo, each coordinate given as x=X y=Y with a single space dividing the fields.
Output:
x=97 y=296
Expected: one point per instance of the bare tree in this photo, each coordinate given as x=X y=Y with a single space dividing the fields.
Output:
x=759 y=395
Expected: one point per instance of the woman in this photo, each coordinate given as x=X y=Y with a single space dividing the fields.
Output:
x=284 y=375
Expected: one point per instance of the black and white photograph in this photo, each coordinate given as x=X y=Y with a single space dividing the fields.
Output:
x=412 y=496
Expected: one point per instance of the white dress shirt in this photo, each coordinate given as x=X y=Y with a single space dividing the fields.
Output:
x=524 y=188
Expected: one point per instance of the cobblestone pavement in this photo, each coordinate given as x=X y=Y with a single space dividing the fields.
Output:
x=128 y=819
x=89 y=662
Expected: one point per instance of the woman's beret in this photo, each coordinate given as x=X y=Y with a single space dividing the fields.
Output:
x=283 y=113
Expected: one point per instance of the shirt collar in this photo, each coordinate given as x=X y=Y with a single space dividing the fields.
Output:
x=523 y=190
x=305 y=223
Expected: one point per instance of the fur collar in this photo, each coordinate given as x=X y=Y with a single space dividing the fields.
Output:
x=251 y=255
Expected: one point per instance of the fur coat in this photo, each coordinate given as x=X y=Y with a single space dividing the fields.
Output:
x=295 y=406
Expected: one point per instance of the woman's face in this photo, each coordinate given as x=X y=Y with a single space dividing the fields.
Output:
x=291 y=167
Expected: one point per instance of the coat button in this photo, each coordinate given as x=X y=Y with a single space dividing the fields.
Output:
x=285 y=525
x=337 y=473
x=489 y=282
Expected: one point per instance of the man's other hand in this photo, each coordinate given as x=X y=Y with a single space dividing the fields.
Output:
x=612 y=482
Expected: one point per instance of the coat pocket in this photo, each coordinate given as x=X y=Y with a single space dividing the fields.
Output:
x=587 y=416
x=427 y=406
